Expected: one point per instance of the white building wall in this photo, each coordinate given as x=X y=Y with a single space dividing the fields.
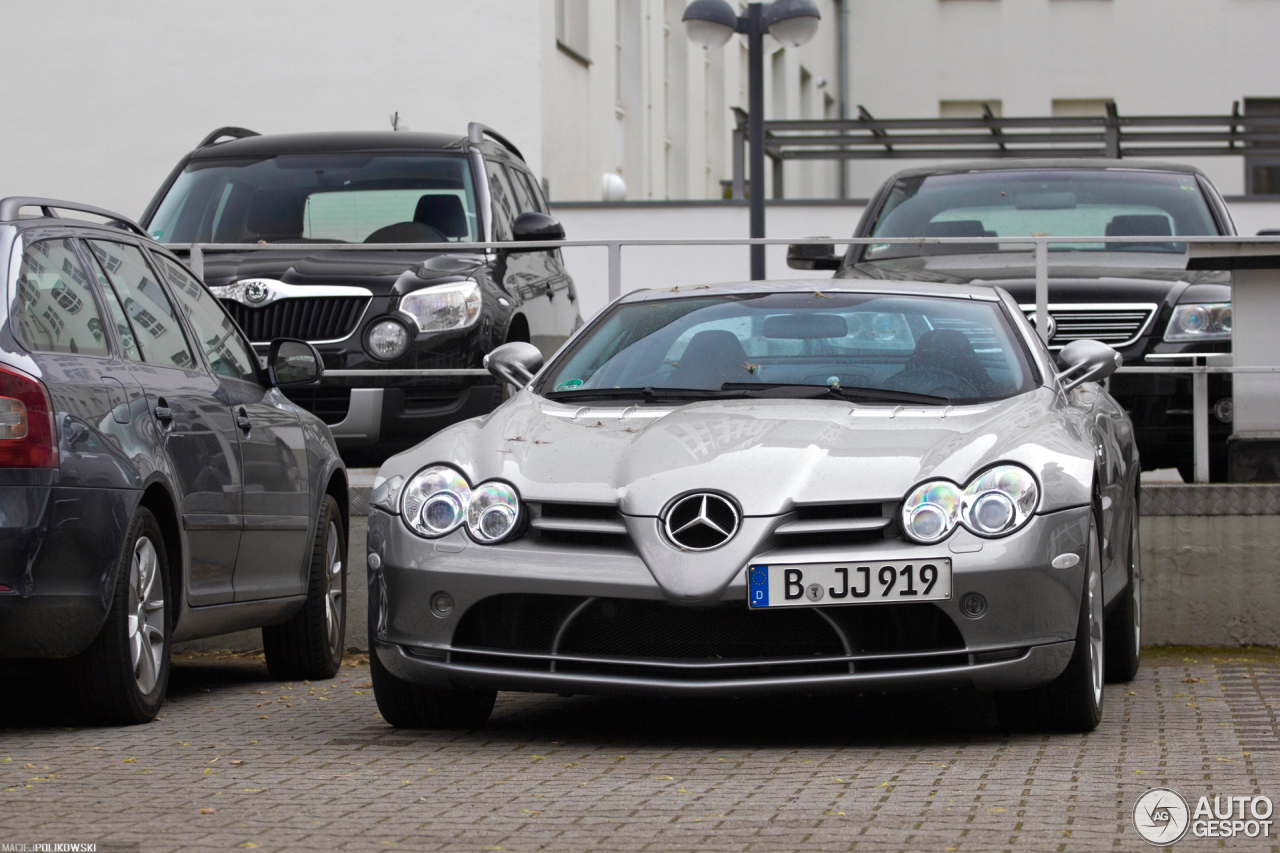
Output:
x=1152 y=57
x=103 y=99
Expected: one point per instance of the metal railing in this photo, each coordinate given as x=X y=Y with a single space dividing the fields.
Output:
x=1040 y=246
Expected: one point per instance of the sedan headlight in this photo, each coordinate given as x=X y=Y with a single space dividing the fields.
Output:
x=444 y=307
x=438 y=500
x=1207 y=321
x=997 y=502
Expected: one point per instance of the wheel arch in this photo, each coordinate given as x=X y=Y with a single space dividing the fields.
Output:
x=159 y=501
x=338 y=488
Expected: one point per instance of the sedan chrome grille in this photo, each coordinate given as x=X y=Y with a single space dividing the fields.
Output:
x=319 y=318
x=1117 y=324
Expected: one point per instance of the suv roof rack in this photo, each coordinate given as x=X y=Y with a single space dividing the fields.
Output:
x=476 y=132
x=9 y=208
x=233 y=132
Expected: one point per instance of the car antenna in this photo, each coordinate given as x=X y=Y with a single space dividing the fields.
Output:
x=395 y=122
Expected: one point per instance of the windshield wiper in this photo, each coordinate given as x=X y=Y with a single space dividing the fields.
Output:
x=649 y=394
x=801 y=391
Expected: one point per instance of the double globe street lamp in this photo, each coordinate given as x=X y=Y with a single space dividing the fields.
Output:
x=711 y=23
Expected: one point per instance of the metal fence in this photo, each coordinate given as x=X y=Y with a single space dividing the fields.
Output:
x=1039 y=245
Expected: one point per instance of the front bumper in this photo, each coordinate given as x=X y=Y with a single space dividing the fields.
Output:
x=396 y=407
x=59 y=552
x=1023 y=639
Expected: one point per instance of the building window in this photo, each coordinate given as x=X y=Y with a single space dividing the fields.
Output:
x=1081 y=107
x=1262 y=173
x=572 y=33
x=970 y=109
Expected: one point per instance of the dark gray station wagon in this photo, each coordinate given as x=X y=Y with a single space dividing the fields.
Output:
x=155 y=484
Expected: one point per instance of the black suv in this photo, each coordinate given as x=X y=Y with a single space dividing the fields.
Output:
x=155 y=485
x=376 y=315
x=1136 y=296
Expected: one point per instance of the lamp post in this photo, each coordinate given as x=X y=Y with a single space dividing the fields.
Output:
x=711 y=23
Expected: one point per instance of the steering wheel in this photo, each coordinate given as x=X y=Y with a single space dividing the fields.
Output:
x=938 y=382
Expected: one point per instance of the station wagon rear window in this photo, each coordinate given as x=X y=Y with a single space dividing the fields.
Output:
x=957 y=350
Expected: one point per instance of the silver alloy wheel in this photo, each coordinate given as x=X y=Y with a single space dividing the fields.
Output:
x=1135 y=576
x=146 y=615
x=333 y=589
x=1094 y=591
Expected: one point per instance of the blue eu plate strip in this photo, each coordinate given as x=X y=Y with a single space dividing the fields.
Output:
x=758 y=587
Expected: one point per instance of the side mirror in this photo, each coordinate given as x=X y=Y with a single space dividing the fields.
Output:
x=293 y=362
x=536 y=226
x=1086 y=361
x=813 y=256
x=515 y=363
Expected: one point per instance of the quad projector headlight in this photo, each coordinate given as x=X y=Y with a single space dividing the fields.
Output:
x=438 y=500
x=995 y=503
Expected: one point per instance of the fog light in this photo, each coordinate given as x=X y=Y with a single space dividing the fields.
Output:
x=973 y=605
x=442 y=604
x=387 y=340
x=1225 y=410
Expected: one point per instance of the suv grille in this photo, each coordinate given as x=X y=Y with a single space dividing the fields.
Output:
x=318 y=318
x=1114 y=324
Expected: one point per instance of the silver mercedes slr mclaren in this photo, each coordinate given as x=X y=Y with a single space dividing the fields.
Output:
x=762 y=488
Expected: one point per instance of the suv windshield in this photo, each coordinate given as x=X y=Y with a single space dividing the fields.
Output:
x=321 y=198
x=1044 y=202
x=878 y=348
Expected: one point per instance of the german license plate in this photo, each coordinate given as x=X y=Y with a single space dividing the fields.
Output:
x=810 y=584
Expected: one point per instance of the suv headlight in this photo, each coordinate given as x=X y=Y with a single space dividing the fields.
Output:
x=1205 y=321
x=995 y=503
x=438 y=500
x=444 y=307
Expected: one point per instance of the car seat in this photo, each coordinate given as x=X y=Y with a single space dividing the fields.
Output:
x=443 y=213
x=1139 y=225
x=276 y=215
x=940 y=356
x=712 y=358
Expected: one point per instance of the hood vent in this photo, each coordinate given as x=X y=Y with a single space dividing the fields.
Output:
x=830 y=524
x=580 y=524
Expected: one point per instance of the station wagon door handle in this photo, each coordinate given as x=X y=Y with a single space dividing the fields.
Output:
x=242 y=421
x=163 y=413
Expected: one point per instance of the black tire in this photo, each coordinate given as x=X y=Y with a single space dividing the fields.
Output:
x=108 y=681
x=310 y=644
x=406 y=705
x=1072 y=702
x=1124 y=625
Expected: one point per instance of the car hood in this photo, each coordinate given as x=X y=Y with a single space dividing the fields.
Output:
x=380 y=272
x=1158 y=271
x=768 y=455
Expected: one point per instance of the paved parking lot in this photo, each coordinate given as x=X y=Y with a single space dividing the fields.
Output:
x=239 y=760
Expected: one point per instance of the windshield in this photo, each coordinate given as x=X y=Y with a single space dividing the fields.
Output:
x=1042 y=203
x=322 y=198
x=949 y=348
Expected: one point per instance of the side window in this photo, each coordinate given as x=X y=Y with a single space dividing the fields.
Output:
x=216 y=332
x=118 y=316
x=157 y=331
x=524 y=198
x=54 y=309
x=503 y=200
x=532 y=190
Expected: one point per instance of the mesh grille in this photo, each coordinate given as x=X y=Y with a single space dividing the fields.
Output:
x=320 y=318
x=328 y=404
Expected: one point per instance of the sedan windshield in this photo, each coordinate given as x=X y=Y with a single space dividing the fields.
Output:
x=871 y=348
x=1043 y=203
x=321 y=198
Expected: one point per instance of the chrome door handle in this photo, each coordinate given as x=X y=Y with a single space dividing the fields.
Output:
x=164 y=414
x=242 y=421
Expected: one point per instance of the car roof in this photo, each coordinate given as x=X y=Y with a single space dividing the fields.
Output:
x=1074 y=163
x=985 y=293
x=329 y=142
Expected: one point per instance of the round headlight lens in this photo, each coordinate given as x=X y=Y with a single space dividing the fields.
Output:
x=493 y=513
x=929 y=513
x=388 y=339
x=435 y=501
x=999 y=500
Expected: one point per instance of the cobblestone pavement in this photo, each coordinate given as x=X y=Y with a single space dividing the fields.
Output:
x=240 y=761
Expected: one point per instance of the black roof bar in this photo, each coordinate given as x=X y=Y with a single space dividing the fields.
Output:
x=9 y=208
x=476 y=132
x=233 y=132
